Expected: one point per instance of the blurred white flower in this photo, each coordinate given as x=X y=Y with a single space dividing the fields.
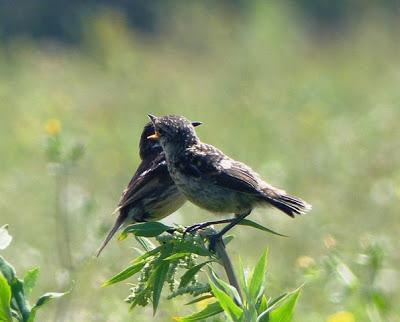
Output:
x=5 y=237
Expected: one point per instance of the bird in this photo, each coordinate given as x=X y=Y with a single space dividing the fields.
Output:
x=151 y=193
x=212 y=180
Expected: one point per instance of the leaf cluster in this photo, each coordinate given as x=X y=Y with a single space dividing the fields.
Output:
x=159 y=265
x=253 y=305
x=179 y=258
x=14 y=293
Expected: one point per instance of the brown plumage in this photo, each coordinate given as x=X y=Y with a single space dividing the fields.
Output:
x=213 y=181
x=151 y=194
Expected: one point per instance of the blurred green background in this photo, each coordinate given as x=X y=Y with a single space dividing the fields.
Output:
x=307 y=94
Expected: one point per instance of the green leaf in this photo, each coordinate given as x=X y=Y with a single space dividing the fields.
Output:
x=148 y=254
x=45 y=298
x=199 y=299
x=190 y=273
x=284 y=312
x=5 y=237
x=242 y=278
x=145 y=243
x=228 y=239
x=5 y=299
x=30 y=280
x=7 y=269
x=258 y=278
x=145 y=229
x=233 y=311
x=19 y=299
x=250 y=223
x=227 y=288
x=195 y=249
x=263 y=304
x=126 y=273
x=176 y=256
x=160 y=276
x=210 y=310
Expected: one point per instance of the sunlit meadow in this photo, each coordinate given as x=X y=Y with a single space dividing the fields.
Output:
x=317 y=114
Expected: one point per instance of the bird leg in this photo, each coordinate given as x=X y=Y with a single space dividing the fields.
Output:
x=213 y=238
x=194 y=228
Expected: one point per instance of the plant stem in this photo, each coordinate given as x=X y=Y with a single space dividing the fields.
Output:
x=226 y=262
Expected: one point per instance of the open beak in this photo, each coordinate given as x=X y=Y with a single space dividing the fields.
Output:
x=155 y=136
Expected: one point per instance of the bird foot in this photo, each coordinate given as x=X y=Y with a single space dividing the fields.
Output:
x=196 y=227
x=213 y=239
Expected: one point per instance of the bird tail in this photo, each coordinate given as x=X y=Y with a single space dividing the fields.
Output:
x=111 y=233
x=290 y=205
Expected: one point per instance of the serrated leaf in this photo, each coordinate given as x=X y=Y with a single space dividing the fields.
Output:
x=258 y=277
x=190 y=273
x=5 y=299
x=145 y=229
x=210 y=310
x=30 y=279
x=229 y=306
x=250 y=223
x=126 y=273
x=5 y=237
x=161 y=275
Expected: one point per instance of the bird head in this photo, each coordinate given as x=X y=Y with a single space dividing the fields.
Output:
x=173 y=132
x=148 y=147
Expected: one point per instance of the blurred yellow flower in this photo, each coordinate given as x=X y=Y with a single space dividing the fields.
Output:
x=53 y=127
x=329 y=241
x=305 y=261
x=342 y=316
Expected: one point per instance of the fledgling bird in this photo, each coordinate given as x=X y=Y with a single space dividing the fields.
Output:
x=212 y=180
x=151 y=194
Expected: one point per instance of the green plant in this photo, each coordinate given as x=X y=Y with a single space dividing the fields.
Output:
x=14 y=292
x=178 y=260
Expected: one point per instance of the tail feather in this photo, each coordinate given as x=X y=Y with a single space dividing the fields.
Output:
x=111 y=233
x=290 y=205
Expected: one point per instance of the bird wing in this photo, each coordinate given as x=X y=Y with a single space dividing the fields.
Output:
x=236 y=176
x=212 y=164
x=146 y=178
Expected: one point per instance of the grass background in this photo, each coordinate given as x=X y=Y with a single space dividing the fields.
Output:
x=316 y=114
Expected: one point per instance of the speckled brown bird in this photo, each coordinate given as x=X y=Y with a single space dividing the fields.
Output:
x=151 y=194
x=212 y=180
